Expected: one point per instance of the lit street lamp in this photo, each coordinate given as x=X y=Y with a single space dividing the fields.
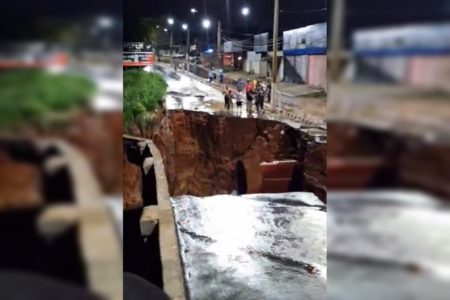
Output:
x=105 y=22
x=206 y=23
x=194 y=11
x=165 y=30
x=170 y=21
x=245 y=11
x=188 y=46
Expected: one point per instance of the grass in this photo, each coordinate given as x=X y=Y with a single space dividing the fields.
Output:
x=31 y=96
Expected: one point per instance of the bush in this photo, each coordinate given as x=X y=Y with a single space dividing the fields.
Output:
x=33 y=95
x=141 y=96
x=229 y=69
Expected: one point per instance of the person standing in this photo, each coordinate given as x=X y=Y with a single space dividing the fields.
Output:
x=239 y=102
x=249 y=95
x=240 y=85
x=227 y=98
x=230 y=99
x=259 y=99
x=269 y=92
x=210 y=75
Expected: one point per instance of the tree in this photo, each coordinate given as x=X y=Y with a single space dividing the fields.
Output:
x=141 y=96
x=149 y=33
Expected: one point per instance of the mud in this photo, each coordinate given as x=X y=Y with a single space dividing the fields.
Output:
x=201 y=152
x=386 y=158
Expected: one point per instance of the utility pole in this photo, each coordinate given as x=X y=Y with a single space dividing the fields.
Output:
x=276 y=14
x=219 y=41
x=336 y=41
x=188 y=45
x=188 y=42
x=171 y=39
x=227 y=4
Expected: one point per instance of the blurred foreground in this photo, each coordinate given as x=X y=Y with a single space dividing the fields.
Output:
x=388 y=151
x=60 y=157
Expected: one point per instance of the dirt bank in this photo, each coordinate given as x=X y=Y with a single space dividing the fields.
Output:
x=201 y=151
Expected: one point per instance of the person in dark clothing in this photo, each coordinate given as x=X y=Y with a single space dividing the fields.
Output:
x=259 y=99
x=227 y=98
x=230 y=97
x=269 y=92
x=249 y=95
x=240 y=85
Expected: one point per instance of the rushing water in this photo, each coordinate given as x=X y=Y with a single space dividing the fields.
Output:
x=246 y=248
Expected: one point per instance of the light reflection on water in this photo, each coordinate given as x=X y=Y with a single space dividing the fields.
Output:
x=237 y=248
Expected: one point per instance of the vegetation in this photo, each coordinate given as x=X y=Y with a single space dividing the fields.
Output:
x=229 y=69
x=32 y=96
x=143 y=93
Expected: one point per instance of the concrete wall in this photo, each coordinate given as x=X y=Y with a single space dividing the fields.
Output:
x=317 y=71
x=423 y=72
x=253 y=63
x=306 y=69
x=429 y=72
x=252 y=67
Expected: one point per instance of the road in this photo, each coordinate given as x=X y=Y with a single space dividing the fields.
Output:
x=190 y=92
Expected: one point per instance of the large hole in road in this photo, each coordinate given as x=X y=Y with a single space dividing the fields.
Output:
x=22 y=246
x=141 y=253
x=207 y=154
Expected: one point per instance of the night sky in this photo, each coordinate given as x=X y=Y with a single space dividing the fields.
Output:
x=19 y=17
x=298 y=14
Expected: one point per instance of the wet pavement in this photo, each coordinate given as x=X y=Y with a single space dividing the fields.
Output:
x=253 y=247
x=387 y=246
x=190 y=92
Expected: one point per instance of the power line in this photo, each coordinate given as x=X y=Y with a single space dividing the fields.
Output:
x=303 y=11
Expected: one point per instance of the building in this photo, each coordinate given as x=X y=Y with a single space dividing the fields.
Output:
x=413 y=55
x=305 y=56
x=233 y=55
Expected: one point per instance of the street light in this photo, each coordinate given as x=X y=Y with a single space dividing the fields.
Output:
x=194 y=11
x=245 y=11
x=206 y=23
x=157 y=26
x=170 y=21
x=165 y=29
x=186 y=28
x=105 y=22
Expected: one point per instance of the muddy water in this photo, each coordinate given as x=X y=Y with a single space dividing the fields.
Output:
x=240 y=248
x=388 y=245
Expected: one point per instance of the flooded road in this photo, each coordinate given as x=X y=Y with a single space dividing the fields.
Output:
x=186 y=92
x=190 y=92
x=253 y=247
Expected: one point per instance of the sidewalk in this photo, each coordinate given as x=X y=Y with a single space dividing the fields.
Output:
x=299 y=90
x=235 y=76
x=300 y=103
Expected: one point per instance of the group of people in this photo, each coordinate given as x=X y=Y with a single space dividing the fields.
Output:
x=255 y=92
